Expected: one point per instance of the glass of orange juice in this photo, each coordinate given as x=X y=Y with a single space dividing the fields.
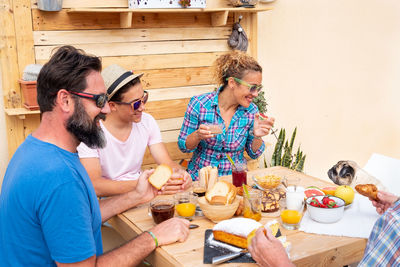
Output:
x=291 y=216
x=252 y=205
x=185 y=204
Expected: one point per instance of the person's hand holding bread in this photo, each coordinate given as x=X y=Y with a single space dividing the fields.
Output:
x=385 y=201
x=169 y=181
x=180 y=180
x=145 y=192
x=380 y=200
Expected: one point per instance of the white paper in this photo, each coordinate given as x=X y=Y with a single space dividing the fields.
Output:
x=358 y=221
x=386 y=170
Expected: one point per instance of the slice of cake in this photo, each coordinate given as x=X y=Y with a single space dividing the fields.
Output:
x=235 y=231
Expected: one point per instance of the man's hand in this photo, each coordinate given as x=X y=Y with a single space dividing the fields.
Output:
x=385 y=201
x=266 y=250
x=262 y=127
x=179 y=181
x=171 y=231
x=144 y=190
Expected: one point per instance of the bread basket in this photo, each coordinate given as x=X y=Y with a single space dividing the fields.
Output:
x=217 y=213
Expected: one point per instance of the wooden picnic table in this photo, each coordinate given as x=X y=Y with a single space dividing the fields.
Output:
x=307 y=249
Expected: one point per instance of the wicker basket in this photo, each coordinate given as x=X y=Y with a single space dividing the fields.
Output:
x=218 y=213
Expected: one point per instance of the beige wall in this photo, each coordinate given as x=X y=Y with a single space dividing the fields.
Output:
x=332 y=68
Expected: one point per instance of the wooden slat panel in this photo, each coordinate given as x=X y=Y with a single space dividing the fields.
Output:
x=10 y=68
x=119 y=3
x=128 y=35
x=142 y=48
x=31 y=124
x=62 y=20
x=173 y=151
x=170 y=136
x=90 y=3
x=177 y=77
x=163 y=61
x=179 y=92
x=159 y=61
x=167 y=109
x=23 y=30
x=170 y=124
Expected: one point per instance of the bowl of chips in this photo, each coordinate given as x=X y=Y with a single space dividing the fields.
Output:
x=265 y=182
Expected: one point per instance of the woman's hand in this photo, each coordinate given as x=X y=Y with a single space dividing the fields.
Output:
x=203 y=132
x=262 y=126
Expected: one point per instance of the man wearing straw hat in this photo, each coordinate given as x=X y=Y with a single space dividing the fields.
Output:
x=129 y=131
x=49 y=212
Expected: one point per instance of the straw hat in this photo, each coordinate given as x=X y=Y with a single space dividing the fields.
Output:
x=115 y=77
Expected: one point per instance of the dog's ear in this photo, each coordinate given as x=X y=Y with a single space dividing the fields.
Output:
x=346 y=170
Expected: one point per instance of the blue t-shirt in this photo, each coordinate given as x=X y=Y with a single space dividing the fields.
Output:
x=48 y=208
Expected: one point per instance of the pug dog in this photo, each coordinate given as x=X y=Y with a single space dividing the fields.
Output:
x=347 y=172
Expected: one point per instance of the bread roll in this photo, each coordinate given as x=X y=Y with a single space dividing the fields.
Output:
x=160 y=176
x=368 y=190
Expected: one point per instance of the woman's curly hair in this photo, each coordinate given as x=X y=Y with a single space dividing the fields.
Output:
x=234 y=64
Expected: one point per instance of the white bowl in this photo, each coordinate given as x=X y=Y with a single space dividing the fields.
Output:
x=325 y=215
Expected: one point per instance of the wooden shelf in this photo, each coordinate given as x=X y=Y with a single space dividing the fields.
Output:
x=20 y=112
x=219 y=16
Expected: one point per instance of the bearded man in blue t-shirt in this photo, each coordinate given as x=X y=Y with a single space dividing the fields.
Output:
x=49 y=212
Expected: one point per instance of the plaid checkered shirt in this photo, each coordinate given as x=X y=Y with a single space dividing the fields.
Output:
x=233 y=141
x=383 y=247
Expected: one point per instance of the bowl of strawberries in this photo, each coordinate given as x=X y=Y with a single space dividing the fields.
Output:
x=325 y=209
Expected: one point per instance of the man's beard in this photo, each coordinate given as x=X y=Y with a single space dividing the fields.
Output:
x=84 y=129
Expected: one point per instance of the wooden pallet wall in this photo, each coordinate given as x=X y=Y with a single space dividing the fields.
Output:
x=174 y=50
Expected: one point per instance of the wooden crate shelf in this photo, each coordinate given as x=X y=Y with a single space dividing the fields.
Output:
x=219 y=16
x=20 y=112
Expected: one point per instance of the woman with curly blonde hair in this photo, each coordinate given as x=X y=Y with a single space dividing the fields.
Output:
x=231 y=106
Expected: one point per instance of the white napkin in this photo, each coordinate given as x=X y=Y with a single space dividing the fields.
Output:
x=358 y=221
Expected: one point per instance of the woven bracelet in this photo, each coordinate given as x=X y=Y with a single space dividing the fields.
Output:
x=154 y=237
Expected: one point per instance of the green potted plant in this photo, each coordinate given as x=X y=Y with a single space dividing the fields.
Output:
x=283 y=151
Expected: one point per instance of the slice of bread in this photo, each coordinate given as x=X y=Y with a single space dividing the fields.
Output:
x=160 y=176
x=212 y=178
x=221 y=193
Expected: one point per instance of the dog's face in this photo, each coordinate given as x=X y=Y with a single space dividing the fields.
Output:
x=343 y=172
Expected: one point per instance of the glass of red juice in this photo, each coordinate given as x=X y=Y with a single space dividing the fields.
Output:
x=239 y=174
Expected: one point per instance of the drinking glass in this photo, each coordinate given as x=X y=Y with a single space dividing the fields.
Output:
x=199 y=188
x=185 y=204
x=292 y=213
x=252 y=205
x=162 y=209
x=215 y=128
x=239 y=174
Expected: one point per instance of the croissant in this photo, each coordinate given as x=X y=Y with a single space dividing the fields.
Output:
x=368 y=190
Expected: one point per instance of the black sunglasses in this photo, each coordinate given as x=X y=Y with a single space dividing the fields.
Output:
x=100 y=99
x=135 y=104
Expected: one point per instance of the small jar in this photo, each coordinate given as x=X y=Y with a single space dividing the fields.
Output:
x=252 y=205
